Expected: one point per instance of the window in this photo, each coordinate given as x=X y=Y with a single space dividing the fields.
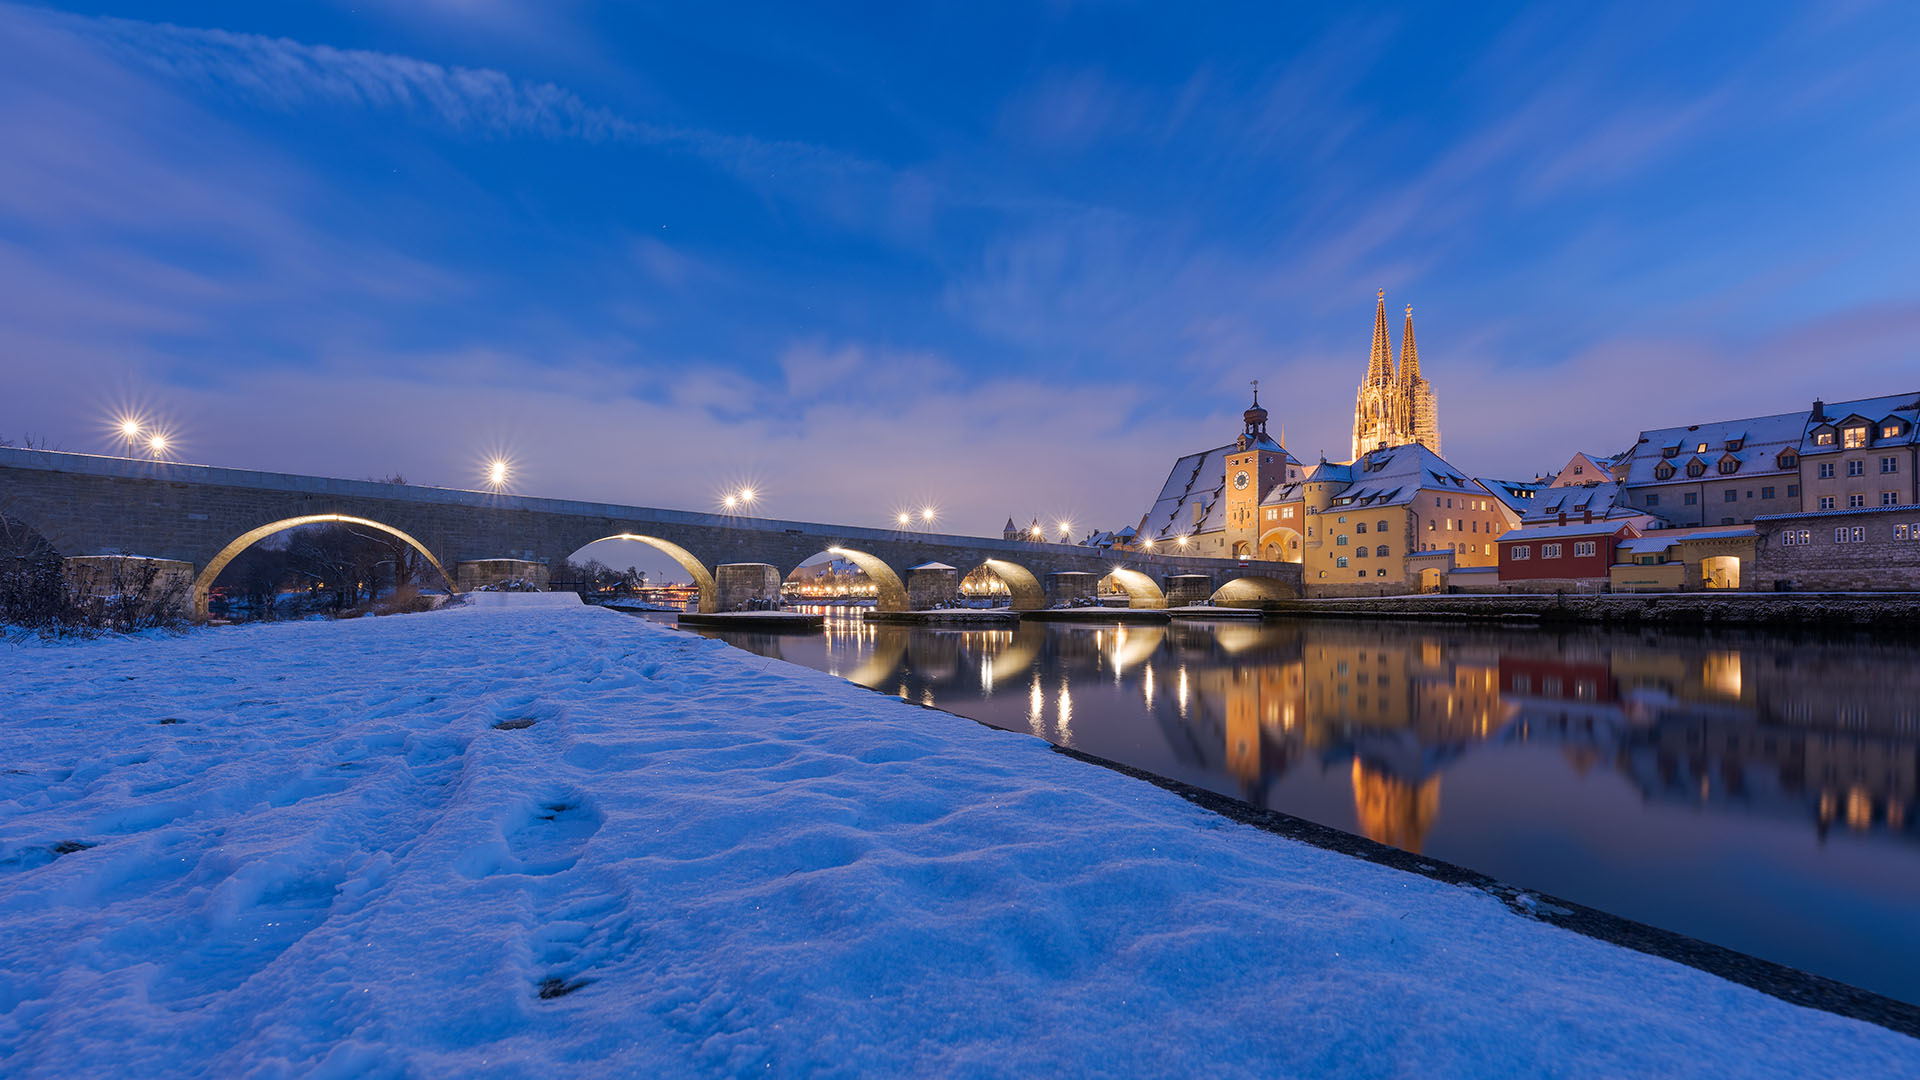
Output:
x=1889 y=464
x=1340 y=541
x=1793 y=491
x=1729 y=466
x=1766 y=493
x=1890 y=431
x=1726 y=521
x=1578 y=469
x=1381 y=551
x=1889 y=498
x=1380 y=526
x=1826 y=470
x=1856 y=500
x=1432 y=525
x=1382 y=572
x=1700 y=449
x=1856 y=438
x=1826 y=502
x=1360 y=573
x=1856 y=468
x=1583 y=549
x=1341 y=562
x=1906 y=532
x=1840 y=536
x=1796 y=538
x=1696 y=467
x=1663 y=471
x=1855 y=535
x=1823 y=438
x=1789 y=459
x=1653 y=500
x=1731 y=495
x=1692 y=498
x=1360 y=528
x=1521 y=553
x=1286 y=511
x=1360 y=552
x=1549 y=551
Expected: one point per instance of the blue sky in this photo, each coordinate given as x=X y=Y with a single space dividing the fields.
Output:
x=1011 y=259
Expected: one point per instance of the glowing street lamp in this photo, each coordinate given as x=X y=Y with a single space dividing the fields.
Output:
x=129 y=428
x=904 y=519
x=926 y=517
x=1066 y=531
x=1183 y=541
x=1036 y=533
x=730 y=500
x=499 y=471
x=1147 y=544
x=157 y=446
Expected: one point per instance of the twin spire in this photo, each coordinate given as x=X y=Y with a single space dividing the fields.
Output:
x=1395 y=404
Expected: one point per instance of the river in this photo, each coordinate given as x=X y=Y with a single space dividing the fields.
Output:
x=1750 y=790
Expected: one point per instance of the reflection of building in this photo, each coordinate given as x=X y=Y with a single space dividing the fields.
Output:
x=1393 y=811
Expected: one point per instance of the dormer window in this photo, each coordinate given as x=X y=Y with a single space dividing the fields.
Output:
x=1696 y=467
x=1789 y=459
x=1734 y=445
x=1856 y=438
x=1890 y=430
x=1663 y=471
x=1823 y=438
x=1701 y=449
x=1670 y=451
x=1729 y=466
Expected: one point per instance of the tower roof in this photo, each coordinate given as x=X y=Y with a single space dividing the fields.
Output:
x=1409 y=353
x=1380 y=364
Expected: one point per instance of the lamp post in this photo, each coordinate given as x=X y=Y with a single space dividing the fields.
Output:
x=926 y=519
x=157 y=446
x=499 y=474
x=130 y=433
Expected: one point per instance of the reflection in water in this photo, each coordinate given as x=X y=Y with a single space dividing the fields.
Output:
x=1742 y=790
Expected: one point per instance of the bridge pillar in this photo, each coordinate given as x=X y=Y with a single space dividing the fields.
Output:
x=932 y=584
x=477 y=573
x=747 y=585
x=1184 y=590
x=1066 y=586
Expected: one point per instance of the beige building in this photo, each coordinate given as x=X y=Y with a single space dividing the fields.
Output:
x=1209 y=503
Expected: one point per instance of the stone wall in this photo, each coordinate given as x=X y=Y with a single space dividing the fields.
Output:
x=932 y=586
x=114 y=575
x=482 y=573
x=1883 y=559
x=748 y=586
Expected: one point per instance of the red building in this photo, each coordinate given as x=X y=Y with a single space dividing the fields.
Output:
x=1577 y=550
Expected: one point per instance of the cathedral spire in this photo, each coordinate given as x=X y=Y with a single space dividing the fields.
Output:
x=1409 y=354
x=1380 y=366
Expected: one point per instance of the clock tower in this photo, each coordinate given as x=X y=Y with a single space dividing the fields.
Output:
x=1255 y=464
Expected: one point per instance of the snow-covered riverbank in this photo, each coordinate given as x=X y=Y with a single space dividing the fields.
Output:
x=564 y=841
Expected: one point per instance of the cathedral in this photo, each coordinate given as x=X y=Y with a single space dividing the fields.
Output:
x=1394 y=407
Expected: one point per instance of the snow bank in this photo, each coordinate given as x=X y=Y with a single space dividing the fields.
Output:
x=542 y=842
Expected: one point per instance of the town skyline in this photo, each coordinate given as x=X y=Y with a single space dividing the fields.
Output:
x=938 y=320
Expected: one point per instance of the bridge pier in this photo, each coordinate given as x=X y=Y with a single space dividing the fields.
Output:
x=931 y=585
x=1184 y=590
x=748 y=585
x=1066 y=586
x=477 y=573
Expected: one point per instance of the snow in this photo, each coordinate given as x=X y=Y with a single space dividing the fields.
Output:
x=370 y=847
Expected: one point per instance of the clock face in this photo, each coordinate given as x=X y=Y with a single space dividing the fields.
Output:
x=1240 y=480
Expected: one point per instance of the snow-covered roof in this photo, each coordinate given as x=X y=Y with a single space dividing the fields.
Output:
x=1198 y=477
x=1519 y=495
x=1908 y=509
x=1555 y=532
x=1902 y=407
x=1600 y=500
x=1760 y=438
x=932 y=566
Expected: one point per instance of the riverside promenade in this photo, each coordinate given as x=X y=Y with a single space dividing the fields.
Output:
x=525 y=838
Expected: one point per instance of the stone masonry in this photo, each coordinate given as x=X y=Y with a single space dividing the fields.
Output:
x=1870 y=550
x=90 y=505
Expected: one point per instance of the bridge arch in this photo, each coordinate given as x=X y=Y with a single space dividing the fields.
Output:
x=1142 y=591
x=1253 y=590
x=211 y=573
x=1025 y=589
x=697 y=570
x=890 y=593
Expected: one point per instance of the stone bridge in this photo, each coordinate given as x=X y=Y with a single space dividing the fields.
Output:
x=205 y=516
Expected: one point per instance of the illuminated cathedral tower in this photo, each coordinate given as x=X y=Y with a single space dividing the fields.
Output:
x=1394 y=407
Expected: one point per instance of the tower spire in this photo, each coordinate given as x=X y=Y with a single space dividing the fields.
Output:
x=1380 y=365
x=1409 y=353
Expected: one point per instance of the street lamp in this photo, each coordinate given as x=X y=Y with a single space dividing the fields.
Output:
x=730 y=500
x=157 y=445
x=746 y=496
x=904 y=519
x=1066 y=531
x=1147 y=544
x=926 y=518
x=1183 y=541
x=499 y=471
x=130 y=433
x=1035 y=532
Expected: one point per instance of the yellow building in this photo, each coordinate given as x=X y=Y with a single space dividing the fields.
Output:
x=1356 y=524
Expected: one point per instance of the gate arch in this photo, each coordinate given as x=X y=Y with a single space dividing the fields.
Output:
x=702 y=577
x=1142 y=591
x=890 y=593
x=1025 y=589
x=251 y=537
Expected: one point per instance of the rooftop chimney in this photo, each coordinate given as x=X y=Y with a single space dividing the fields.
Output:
x=1819 y=409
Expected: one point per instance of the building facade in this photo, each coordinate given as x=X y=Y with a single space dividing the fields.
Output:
x=1394 y=405
x=1577 y=552
x=1865 y=550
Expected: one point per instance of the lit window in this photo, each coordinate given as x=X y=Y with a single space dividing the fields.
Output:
x=1823 y=438
x=1891 y=431
x=1701 y=449
x=1856 y=438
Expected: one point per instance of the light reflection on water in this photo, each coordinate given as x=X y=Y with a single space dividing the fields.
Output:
x=1754 y=791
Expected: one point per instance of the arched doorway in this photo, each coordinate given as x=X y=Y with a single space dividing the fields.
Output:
x=1281 y=545
x=1142 y=591
x=227 y=554
x=1720 y=572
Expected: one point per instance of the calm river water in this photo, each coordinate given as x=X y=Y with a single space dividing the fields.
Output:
x=1754 y=791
